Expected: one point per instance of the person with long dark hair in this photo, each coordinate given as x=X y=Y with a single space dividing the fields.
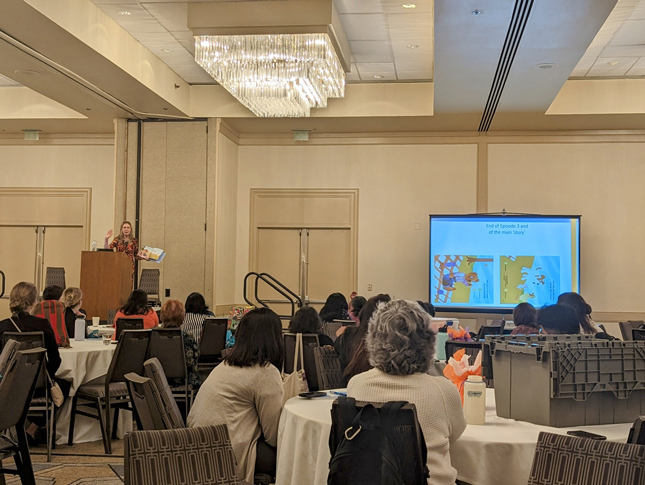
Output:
x=583 y=311
x=137 y=307
x=335 y=308
x=196 y=312
x=525 y=320
x=245 y=393
x=351 y=344
x=307 y=320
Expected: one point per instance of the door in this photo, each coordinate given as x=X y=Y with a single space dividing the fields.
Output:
x=62 y=249
x=17 y=259
x=328 y=265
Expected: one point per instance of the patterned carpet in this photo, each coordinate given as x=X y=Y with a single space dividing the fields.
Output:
x=83 y=463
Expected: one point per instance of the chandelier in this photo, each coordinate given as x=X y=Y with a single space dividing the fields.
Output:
x=276 y=75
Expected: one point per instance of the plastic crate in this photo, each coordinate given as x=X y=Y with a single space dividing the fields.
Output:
x=568 y=382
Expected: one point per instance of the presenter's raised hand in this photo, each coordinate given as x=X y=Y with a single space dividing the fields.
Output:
x=109 y=234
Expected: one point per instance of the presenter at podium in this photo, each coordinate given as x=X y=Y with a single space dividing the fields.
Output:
x=125 y=242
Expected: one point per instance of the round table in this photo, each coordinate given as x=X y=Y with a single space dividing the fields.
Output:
x=83 y=362
x=500 y=452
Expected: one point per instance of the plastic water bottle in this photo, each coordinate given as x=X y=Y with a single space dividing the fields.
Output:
x=475 y=400
x=79 y=328
x=94 y=245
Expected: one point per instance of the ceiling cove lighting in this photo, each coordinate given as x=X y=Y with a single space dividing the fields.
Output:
x=277 y=75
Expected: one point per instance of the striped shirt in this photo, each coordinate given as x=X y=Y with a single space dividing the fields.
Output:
x=193 y=324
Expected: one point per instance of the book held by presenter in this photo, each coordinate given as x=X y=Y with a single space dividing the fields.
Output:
x=155 y=255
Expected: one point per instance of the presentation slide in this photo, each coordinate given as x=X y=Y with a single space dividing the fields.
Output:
x=495 y=262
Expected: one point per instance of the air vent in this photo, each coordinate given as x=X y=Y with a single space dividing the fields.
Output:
x=520 y=18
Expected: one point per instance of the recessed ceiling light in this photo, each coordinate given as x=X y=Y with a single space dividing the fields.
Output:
x=27 y=72
x=123 y=12
x=166 y=50
x=412 y=46
x=409 y=5
x=547 y=65
x=613 y=63
x=476 y=13
x=378 y=76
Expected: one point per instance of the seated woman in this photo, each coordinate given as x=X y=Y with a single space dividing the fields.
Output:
x=72 y=299
x=525 y=320
x=335 y=308
x=583 y=311
x=401 y=349
x=53 y=310
x=196 y=312
x=306 y=320
x=351 y=345
x=137 y=307
x=172 y=316
x=245 y=393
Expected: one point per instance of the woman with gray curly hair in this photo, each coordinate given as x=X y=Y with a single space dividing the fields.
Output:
x=401 y=349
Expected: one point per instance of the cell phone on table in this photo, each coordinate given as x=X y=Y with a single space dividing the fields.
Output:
x=312 y=394
x=586 y=434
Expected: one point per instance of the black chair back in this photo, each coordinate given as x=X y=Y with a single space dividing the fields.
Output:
x=129 y=356
x=471 y=348
x=167 y=345
x=627 y=327
x=638 y=334
x=127 y=324
x=408 y=438
x=310 y=342
x=110 y=316
x=490 y=330
x=144 y=397
x=8 y=353
x=213 y=340
x=26 y=341
x=328 y=368
x=17 y=386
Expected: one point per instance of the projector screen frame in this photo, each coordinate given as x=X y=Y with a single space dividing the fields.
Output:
x=486 y=215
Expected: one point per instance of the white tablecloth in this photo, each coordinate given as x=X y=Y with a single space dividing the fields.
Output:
x=498 y=453
x=85 y=361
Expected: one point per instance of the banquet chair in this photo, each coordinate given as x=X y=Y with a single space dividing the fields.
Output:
x=147 y=407
x=16 y=389
x=310 y=341
x=42 y=403
x=187 y=456
x=471 y=348
x=149 y=282
x=128 y=357
x=127 y=324
x=407 y=437
x=167 y=345
x=110 y=316
x=8 y=352
x=638 y=334
x=212 y=341
x=330 y=328
x=154 y=372
x=490 y=330
x=627 y=327
x=561 y=459
x=637 y=432
x=330 y=373
x=55 y=277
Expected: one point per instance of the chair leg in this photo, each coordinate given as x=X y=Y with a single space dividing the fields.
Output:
x=108 y=441
x=104 y=434
x=115 y=425
x=23 y=462
x=72 y=419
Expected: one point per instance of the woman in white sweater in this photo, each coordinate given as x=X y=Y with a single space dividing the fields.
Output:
x=401 y=345
x=245 y=393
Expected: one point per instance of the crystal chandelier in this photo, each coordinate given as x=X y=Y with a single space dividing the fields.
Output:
x=277 y=75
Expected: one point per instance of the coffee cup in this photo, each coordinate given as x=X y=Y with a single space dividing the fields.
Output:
x=95 y=321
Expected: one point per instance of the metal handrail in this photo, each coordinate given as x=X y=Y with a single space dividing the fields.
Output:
x=2 y=290
x=276 y=285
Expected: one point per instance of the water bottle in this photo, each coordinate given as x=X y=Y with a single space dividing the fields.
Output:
x=475 y=400
x=79 y=328
x=94 y=245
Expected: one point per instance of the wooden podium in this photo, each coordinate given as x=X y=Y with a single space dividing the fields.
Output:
x=106 y=281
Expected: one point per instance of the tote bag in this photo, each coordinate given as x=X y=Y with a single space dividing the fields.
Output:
x=296 y=382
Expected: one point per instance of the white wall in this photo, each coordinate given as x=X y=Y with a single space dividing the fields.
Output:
x=399 y=186
x=65 y=166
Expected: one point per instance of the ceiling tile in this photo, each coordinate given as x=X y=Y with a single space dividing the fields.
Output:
x=172 y=16
x=586 y=63
x=395 y=6
x=367 y=71
x=632 y=32
x=365 y=26
x=358 y=6
x=353 y=74
x=371 y=51
x=638 y=69
x=623 y=51
x=404 y=26
x=6 y=82
x=602 y=68
x=579 y=72
x=418 y=75
x=638 y=13
x=423 y=54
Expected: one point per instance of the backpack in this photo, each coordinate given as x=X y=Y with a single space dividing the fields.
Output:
x=367 y=453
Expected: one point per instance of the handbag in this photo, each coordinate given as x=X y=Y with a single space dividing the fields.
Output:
x=296 y=382
x=54 y=389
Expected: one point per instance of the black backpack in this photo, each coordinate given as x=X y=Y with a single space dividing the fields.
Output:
x=367 y=453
